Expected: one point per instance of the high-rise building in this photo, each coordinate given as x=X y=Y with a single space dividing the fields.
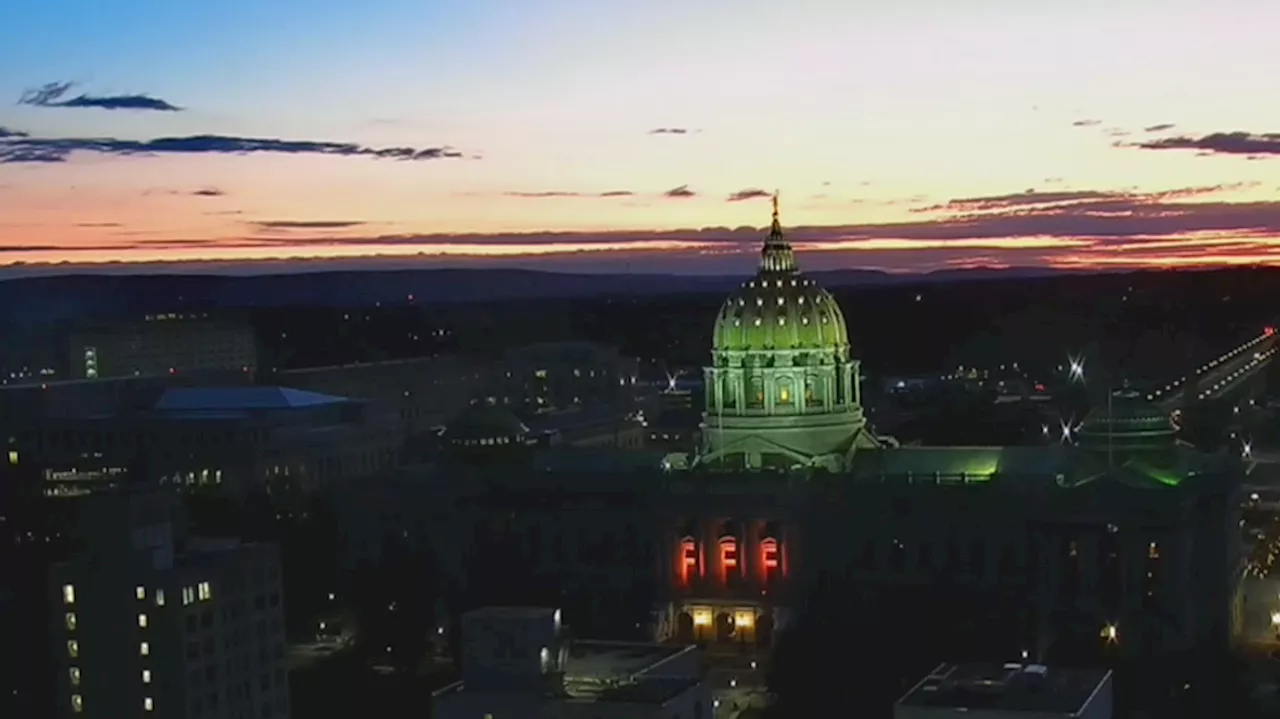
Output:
x=162 y=344
x=152 y=622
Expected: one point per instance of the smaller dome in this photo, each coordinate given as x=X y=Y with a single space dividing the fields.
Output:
x=1127 y=421
x=485 y=424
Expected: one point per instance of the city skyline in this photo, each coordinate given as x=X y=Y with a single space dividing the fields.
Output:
x=642 y=136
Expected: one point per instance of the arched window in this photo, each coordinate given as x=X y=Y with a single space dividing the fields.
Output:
x=728 y=395
x=813 y=391
x=755 y=392
x=786 y=395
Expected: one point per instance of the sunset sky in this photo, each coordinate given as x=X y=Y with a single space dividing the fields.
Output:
x=641 y=136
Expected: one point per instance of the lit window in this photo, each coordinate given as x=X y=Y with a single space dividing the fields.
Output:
x=68 y=594
x=71 y=621
x=206 y=593
x=148 y=704
x=13 y=456
x=144 y=649
x=74 y=674
x=688 y=558
x=73 y=648
x=77 y=703
x=769 y=552
x=146 y=676
x=159 y=597
x=141 y=592
x=142 y=621
x=728 y=552
x=188 y=595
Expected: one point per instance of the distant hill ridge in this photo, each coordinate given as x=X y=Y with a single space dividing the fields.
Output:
x=42 y=299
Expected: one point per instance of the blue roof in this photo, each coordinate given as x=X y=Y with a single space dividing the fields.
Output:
x=224 y=399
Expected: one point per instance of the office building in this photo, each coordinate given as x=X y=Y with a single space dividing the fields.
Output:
x=161 y=344
x=152 y=622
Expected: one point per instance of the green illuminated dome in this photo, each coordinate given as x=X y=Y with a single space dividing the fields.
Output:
x=1128 y=421
x=782 y=390
x=779 y=309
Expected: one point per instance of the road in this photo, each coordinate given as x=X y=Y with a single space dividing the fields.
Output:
x=303 y=654
x=1223 y=373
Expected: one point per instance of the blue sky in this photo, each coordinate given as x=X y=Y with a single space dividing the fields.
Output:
x=531 y=131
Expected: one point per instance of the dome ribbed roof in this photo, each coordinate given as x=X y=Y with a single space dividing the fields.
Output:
x=485 y=423
x=779 y=309
x=1127 y=421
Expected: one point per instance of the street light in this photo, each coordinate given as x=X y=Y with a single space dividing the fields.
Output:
x=1075 y=369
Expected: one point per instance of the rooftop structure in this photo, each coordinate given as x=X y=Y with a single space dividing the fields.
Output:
x=485 y=423
x=241 y=399
x=1010 y=690
x=517 y=661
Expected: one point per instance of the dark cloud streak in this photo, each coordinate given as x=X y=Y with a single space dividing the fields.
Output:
x=1218 y=143
x=17 y=148
x=51 y=94
x=552 y=194
x=751 y=193
x=307 y=224
x=680 y=192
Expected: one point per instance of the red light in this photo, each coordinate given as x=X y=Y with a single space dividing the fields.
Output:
x=688 y=559
x=1039 y=387
x=410 y=298
x=769 y=553
x=173 y=371
x=1269 y=331
x=728 y=552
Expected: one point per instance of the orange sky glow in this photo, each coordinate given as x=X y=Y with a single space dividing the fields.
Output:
x=910 y=138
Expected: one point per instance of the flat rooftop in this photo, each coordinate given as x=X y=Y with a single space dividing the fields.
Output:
x=625 y=672
x=616 y=660
x=511 y=613
x=1012 y=687
x=600 y=671
x=645 y=690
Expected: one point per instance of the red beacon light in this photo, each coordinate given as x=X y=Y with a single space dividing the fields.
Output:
x=1269 y=330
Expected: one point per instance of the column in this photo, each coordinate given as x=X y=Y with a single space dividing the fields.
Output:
x=856 y=380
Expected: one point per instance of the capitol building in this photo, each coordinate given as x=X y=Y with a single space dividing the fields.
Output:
x=1127 y=538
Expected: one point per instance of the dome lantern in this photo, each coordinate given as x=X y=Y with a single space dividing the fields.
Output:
x=777 y=257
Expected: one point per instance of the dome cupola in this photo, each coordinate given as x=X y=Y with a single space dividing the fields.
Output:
x=1128 y=422
x=485 y=424
x=782 y=389
x=779 y=308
